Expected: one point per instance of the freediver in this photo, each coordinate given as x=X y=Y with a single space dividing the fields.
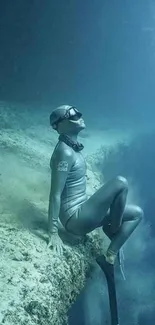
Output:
x=68 y=201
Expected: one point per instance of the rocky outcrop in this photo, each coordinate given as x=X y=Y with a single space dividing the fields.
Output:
x=36 y=286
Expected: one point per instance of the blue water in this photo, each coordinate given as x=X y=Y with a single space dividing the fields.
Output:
x=100 y=56
x=137 y=293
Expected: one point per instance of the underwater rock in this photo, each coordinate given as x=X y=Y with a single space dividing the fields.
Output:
x=36 y=286
x=41 y=288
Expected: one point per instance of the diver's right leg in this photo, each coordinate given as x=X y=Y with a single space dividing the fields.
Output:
x=111 y=196
x=131 y=218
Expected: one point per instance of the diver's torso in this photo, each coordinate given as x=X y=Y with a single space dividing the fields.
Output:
x=74 y=192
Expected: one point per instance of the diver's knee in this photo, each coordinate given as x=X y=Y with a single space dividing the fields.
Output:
x=138 y=213
x=121 y=183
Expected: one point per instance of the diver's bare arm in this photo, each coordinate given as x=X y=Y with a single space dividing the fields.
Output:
x=60 y=168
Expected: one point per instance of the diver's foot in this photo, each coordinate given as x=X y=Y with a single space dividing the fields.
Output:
x=106 y=267
x=110 y=256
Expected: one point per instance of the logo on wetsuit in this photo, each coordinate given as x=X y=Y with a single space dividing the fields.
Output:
x=63 y=166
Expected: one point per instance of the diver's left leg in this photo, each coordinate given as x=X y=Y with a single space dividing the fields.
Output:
x=132 y=216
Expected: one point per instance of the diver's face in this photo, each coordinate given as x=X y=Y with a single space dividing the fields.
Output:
x=74 y=123
x=77 y=123
x=73 y=126
x=81 y=123
x=76 y=120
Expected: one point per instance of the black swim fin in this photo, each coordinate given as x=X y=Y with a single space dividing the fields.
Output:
x=108 y=270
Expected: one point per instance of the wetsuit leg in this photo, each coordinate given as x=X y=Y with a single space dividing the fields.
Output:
x=123 y=219
x=132 y=216
x=111 y=196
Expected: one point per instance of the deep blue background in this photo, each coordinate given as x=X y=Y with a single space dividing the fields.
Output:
x=91 y=53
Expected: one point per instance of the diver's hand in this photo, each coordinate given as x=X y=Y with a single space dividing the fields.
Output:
x=55 y=243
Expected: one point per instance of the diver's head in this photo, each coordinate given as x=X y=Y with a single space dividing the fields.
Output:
x=67 y=119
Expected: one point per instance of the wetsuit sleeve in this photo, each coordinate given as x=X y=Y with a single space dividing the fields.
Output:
x=60 y=168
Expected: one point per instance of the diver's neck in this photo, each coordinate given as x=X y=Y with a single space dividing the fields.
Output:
x=71 y=141
x=73 y=137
